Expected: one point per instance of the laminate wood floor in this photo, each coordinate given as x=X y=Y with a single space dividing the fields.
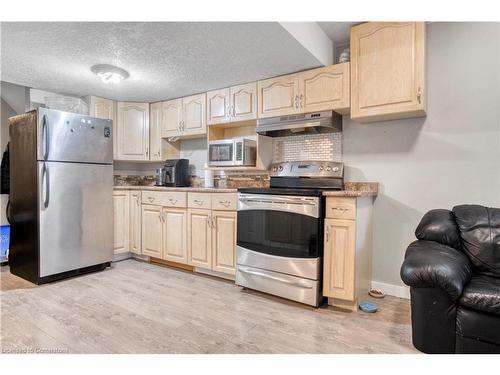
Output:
x=136 y=307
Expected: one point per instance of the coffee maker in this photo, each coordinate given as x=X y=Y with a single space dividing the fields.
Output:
x=174 y=173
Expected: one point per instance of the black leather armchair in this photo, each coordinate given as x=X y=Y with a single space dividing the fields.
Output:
x=453 y=271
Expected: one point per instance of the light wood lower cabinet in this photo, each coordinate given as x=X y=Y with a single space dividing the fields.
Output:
x=135 y=217
x=347 y=251
x=199 y=238
x=224 y=241
x=152 y=231
x=121 y=221
x=174 y=235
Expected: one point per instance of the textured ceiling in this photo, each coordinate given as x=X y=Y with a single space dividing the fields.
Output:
x=337 y=31
x=165 y=60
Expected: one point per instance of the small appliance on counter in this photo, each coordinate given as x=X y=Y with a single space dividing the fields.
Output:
x=174 y=173
x=232 y=152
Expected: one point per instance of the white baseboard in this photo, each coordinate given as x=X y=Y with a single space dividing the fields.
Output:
x=392 y=290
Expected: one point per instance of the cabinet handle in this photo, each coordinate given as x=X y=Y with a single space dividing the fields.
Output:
x=160 y=216
x=225 y=203
x=296 y=102
x=137 y=200
x=340 y=209
x=233 y=111
x=213 y=223
x=179 y=126
x=419 y=94
x=209 y=221
x=198 y=202
x=300 y=100
x=172 y=200
x=327 y=234
x=183 y=125
x=151 y=199
x=228 y=111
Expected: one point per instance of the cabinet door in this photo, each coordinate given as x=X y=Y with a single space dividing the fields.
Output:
x=194 y=115
x=132 y=131
x=171 y=116
x=224 y=241
x=387 y=70
x=174 y=235
x=199 y=238
x=135 y=222
x=325 y=89
x=152 y=231
x=155 y=132
x=244 y=102
x=121 y=221
x=105 y=109
x=218 y=106
x=339 y=258
x=278 y=96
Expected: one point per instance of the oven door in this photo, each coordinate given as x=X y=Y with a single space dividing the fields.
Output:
x=221 y=153
x=280 y=225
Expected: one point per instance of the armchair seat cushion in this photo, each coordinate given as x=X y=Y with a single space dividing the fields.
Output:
x=482 y=293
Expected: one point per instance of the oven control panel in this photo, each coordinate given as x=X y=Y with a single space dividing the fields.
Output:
x=307 y=169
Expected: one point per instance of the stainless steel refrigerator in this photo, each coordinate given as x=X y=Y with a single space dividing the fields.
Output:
x=61 y=194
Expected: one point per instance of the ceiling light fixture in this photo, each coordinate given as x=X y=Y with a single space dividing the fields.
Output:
x=109 y=73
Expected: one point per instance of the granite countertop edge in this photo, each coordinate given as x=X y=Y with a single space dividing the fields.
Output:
x=167 y=188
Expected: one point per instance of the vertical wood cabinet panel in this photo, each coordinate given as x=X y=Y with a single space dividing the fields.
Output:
x=120 y=221
x=387 y=70
x=278 y=96
x=218 y=106
x=174 y=235
x=135 y=221
x=199 y=238
x=194 y=115
x=224 y=241
x=244 y=102
x=325 y=89
x=155 y=132
x=339 y=258
x=132 y=131
x=152 y=231
x=105 y=109
x=171 y=116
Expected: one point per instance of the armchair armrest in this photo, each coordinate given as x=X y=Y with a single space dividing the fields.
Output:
x=429 y=264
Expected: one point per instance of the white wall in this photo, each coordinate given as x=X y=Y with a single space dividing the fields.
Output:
x=450 y=157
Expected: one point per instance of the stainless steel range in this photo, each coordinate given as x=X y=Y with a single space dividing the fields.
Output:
x=280 y=230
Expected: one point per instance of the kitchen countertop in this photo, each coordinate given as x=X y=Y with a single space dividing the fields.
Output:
x=355 y=190
x=351 y=189
x=166 y=188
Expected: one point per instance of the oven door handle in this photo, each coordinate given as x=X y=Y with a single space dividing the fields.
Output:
x=265 y=275
x=280 y=201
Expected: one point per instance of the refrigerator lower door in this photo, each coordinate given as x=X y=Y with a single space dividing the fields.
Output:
x=76 y=216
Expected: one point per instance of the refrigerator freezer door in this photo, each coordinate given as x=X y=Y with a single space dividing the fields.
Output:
x=76 y=216
x=64 y=136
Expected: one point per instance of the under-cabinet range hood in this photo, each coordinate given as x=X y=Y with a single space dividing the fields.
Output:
x=307 y=123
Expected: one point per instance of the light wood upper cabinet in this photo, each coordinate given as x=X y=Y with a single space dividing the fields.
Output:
x=224 y=241
x=155 y=132
x=174 y=235
x=387 y=71
x=194 y=115
x=171 y=116
x=218 y=106
x=339 y=258
x=152 y=231
x=135 y=221
x=243 y=99
x=132 y=131
x=121 y=221
x=278 y=96
x=325 y=89
x=102 y=108
x=199 y=238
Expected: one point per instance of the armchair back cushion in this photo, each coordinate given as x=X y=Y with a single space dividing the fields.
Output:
x=439 y=225
x=479 y=229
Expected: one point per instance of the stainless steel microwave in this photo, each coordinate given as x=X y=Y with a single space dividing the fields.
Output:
x=232 y=152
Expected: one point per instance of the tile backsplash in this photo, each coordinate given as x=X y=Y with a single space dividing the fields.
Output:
x=327 y=146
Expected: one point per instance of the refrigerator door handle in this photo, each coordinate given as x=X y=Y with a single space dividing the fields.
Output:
x=45 y=185
x=45 y=136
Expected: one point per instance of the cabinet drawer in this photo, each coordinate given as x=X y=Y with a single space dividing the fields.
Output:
x=167 y=199
x=200 y=200
x=224 y=201
x=341 y=208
